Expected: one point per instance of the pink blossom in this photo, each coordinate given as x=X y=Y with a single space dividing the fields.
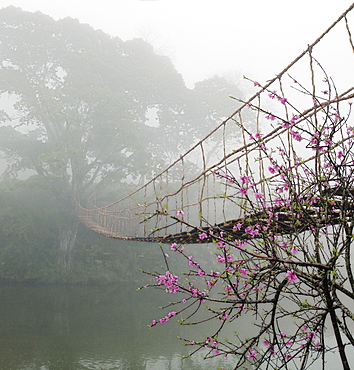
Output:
x=229 y=257
x=237 y=227
x=270 y=117
x=295 y=118
x=240 y=243
x=203 y=236
x=221 y=244
x=180 y=213
x=336 y=116
x=211 y=283
x=311 y=335
x=170 y=281
x=173 y=247
x=245 y=179
x=243 y=191
x=192 y=263
x=273 y=94
x=249 y=230
x=350 y=130
x=252 y=354
x=224 y=316
x=228 y=288
x=266 y=343
x=296 y=135
x=283 y=101
x=292 y=277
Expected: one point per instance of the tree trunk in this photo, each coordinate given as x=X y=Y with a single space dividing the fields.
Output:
x=67 y=238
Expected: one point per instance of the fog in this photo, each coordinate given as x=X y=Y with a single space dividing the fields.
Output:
x=96 y=98
x=201 y=39
x=255 y=38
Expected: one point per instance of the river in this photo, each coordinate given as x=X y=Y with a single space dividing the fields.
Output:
x=58 y=327
x=49 y=327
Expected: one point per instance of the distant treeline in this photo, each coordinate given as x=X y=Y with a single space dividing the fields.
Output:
x=84 y=114
x=30 y=220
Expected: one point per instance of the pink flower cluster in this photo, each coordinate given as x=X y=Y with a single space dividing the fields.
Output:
x=252 y=354
x=274 y=95
x=292 y=277
x=170 y=281
x=163 y=319
x=253 y=231
x=203 y=236
x=296 y=135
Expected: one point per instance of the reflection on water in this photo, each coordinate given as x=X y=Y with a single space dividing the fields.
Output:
x=97 y=328
x=82 y=327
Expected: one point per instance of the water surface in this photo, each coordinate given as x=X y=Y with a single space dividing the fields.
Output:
x=84 y=327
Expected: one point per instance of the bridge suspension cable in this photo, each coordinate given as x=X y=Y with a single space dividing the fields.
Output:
x=202 y=191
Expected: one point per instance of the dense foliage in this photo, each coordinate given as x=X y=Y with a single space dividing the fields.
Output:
x=87 y=113
x=28 y=245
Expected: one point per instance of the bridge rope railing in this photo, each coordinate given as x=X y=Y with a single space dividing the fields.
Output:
x=198 y=190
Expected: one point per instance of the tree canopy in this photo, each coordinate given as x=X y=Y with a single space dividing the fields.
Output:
x=85 y=111
x=82 y=99
x=80 y=95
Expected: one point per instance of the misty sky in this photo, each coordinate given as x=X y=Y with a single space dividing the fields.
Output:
x=256 y=38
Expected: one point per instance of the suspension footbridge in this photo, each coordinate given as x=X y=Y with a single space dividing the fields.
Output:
x=261 y=145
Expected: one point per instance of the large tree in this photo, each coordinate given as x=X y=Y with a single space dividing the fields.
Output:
x=79 y=103
x=85 y=110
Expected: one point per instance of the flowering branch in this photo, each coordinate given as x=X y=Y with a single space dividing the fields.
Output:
x=285 y=268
